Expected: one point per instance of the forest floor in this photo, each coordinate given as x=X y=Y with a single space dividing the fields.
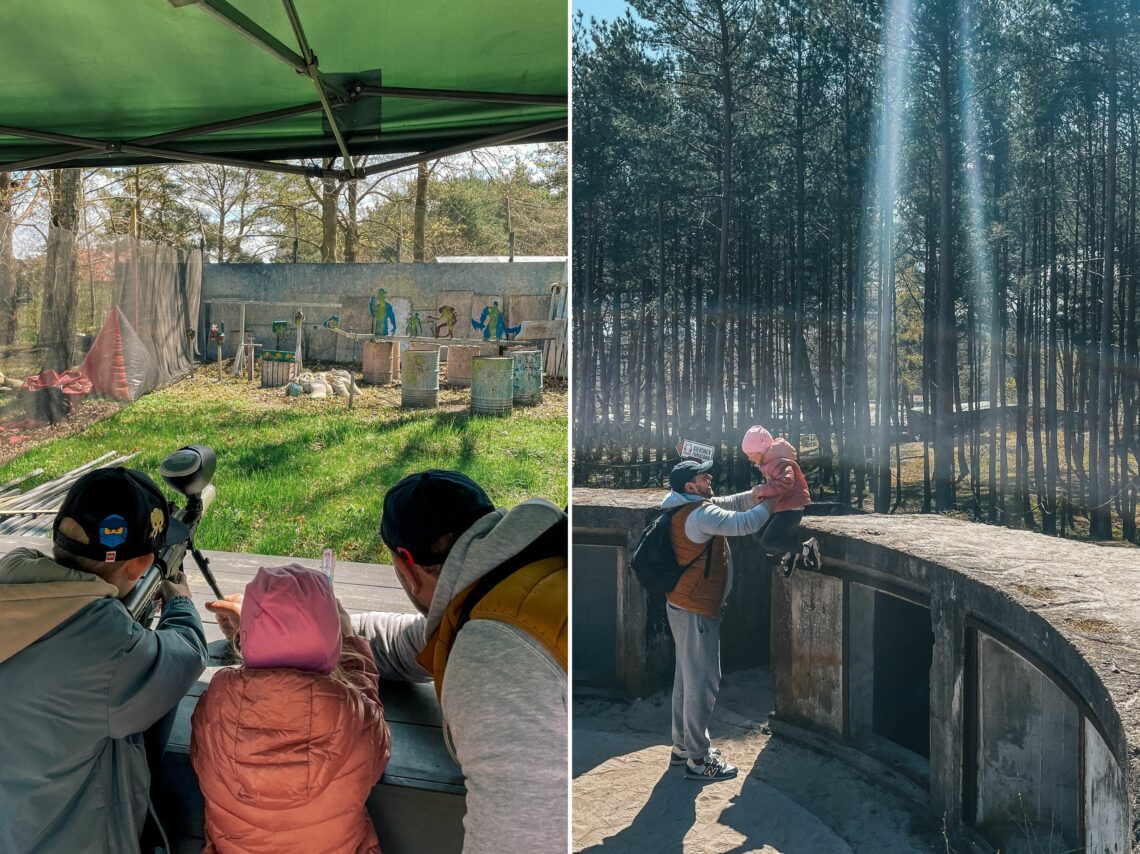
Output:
x=787 y=799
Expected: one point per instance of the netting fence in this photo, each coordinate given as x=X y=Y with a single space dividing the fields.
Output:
x=58 y=289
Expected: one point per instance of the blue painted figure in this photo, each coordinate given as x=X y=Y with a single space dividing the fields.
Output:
x=492 y=324
x=382 y=314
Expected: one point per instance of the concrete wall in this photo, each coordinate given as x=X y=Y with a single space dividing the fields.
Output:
x=1034 y=664
x=807 y=650
x=1106 y=797
x=307 y=281
x=1028 y=753
x=322 y=290
x=1016 y=685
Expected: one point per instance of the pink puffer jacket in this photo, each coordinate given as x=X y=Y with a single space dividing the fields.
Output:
x=785 y=480
x=286 y=758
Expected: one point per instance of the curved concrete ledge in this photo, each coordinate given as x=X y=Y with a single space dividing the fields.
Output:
x=1033 y=678
x=1023 y=651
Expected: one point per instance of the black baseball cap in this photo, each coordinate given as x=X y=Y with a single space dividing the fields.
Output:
x=123 y=514
x=423 y=507
x=685 y=471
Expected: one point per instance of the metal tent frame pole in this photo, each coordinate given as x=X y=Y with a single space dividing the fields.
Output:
x=483 y=142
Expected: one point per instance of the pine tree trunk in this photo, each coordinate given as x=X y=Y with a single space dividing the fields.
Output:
x=1101 y=522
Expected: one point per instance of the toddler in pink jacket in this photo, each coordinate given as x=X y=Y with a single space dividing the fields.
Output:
x=783 y=480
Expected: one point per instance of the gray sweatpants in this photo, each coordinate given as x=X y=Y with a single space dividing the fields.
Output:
x=697 y=678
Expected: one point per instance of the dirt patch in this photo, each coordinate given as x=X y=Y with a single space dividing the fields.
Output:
x=1094 y=627
x=87 y=413
x=368 y=398
x=1041 y=594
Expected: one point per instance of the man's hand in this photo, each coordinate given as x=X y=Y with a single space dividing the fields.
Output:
x=758 y=493
x=172 y=587
x=228 y=612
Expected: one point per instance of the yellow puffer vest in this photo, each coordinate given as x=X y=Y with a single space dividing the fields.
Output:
x=533 y=598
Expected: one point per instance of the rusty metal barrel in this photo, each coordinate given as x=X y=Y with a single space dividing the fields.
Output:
x=526 y=380
x=378 y=360
x=459 y=359
x=419 y=388
x=492 y=385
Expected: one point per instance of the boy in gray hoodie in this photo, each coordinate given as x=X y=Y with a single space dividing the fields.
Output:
x=80 y=681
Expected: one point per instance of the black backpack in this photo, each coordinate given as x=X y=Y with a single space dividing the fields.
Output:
x=654 y=563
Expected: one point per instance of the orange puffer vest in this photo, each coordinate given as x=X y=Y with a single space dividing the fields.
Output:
x=695 y=591
x=286 y=758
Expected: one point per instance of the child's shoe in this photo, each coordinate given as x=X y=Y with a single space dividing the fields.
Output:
x=811 y=556
x=790 y=562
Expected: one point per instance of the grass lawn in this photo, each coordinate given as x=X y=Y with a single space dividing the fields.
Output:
x=298 y=475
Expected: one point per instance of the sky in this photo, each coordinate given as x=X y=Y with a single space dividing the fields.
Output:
x=604 y=9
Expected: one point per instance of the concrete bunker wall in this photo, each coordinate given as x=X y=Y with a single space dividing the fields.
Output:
x=621 y=637
x=1020 y=650
x=322 y=290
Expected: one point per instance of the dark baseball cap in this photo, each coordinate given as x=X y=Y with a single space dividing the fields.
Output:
x=423 y=507
x=685 y=471
x=123 y=514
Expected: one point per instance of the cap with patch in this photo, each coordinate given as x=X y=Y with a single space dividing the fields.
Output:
x=423 y=507
x=685 y=471
x=122 y=514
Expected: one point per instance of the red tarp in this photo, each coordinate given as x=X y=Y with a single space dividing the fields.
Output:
x=75 y=384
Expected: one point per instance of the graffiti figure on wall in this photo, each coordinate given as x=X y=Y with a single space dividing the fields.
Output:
x=493 y=325
x=414 y=327
x=382 y=314
x=445 y=320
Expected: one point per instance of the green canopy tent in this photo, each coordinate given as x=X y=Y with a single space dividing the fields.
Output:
x=252 y=82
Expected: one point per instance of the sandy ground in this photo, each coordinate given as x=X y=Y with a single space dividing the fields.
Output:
x=787 y=798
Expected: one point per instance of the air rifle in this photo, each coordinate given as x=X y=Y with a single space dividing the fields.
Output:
x=188 y=471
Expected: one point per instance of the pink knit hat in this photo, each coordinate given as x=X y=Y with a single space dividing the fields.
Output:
x=289 y=618
x=756 y=441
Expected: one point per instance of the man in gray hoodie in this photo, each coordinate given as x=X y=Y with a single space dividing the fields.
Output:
x=496 y=651
x=80 y=681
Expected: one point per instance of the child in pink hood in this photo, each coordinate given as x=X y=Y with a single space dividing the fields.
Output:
x=784 y=480
x=288 y=746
